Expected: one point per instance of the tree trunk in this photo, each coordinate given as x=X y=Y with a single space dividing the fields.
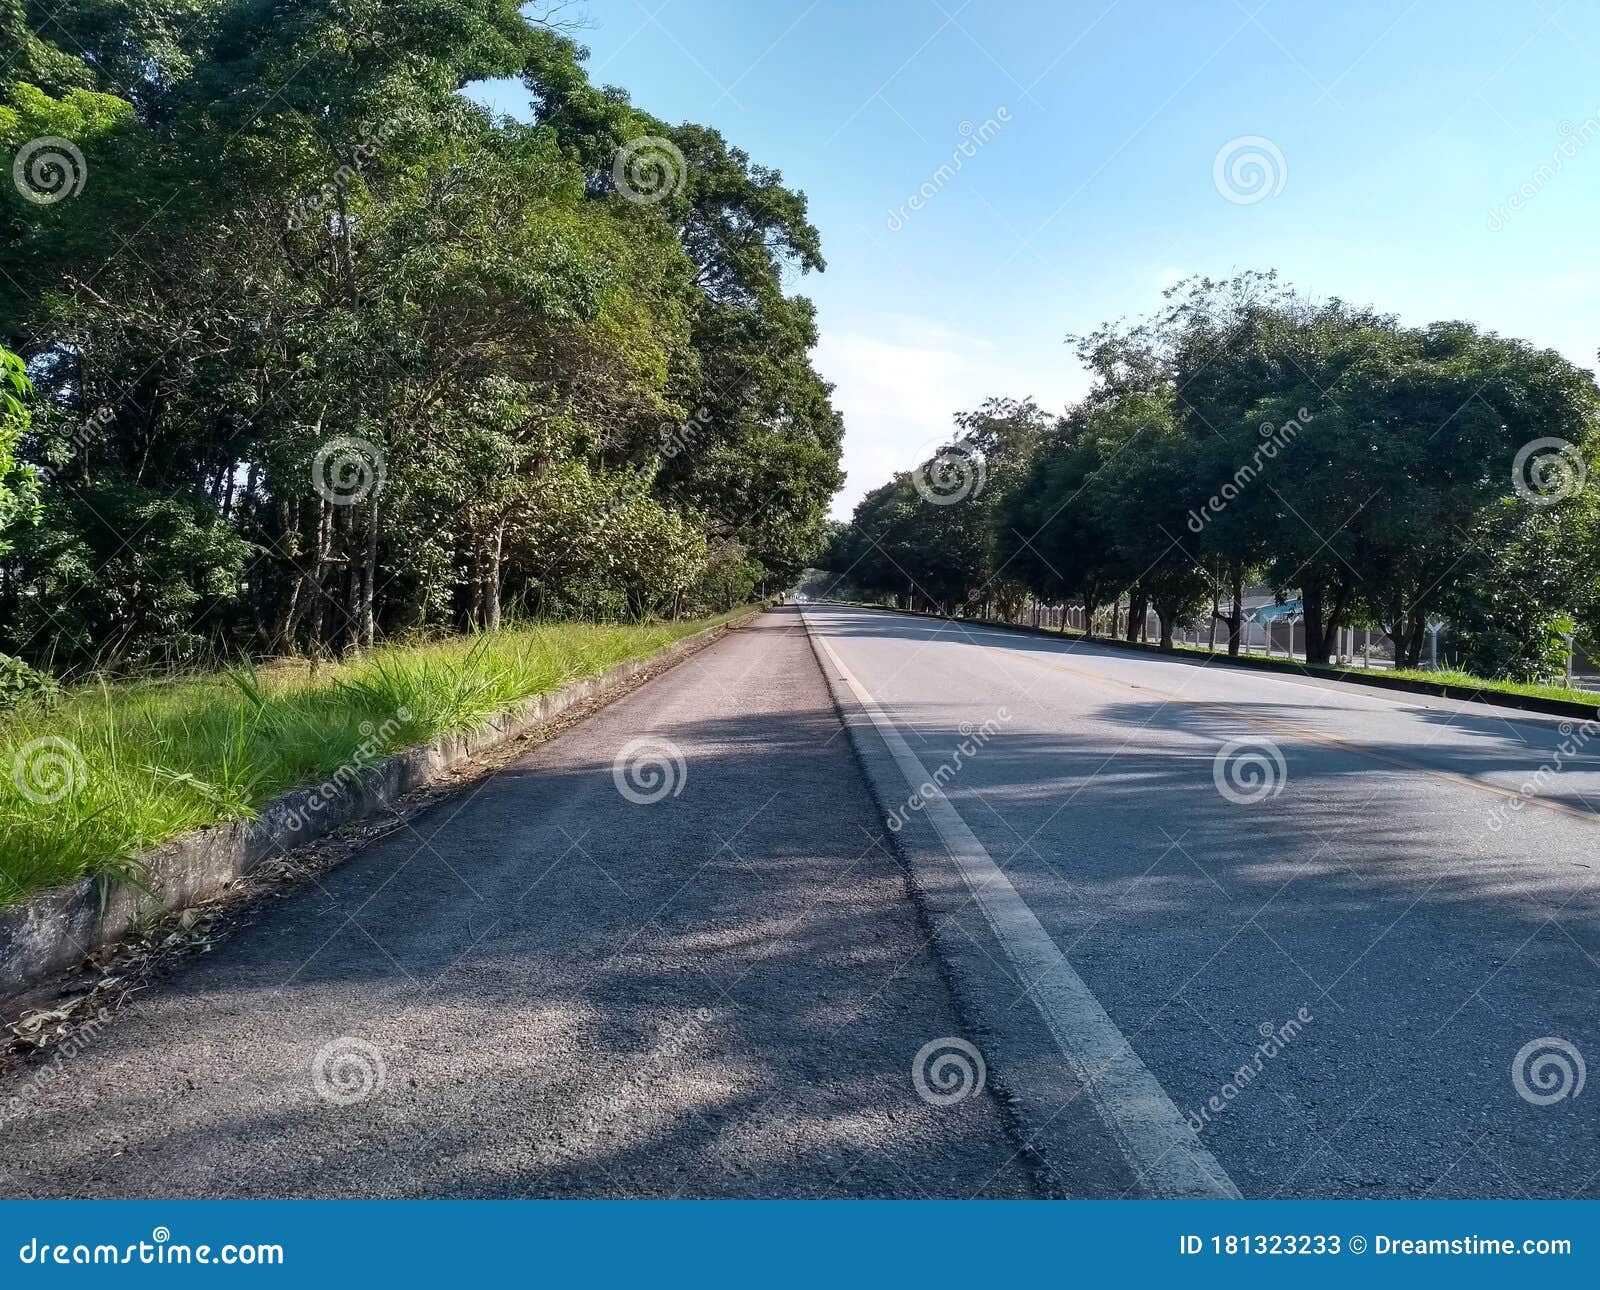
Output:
x=1138 y=612
x=491 y=580
x=347 y=267
x=311 y=594
x=475 y=609
x=1236 y=613
x=1408 y=645
x=350 y=634
x=1322 y=621
x=288 y=544
x=1166 y=616
x=369 y=579
x=1315 y=624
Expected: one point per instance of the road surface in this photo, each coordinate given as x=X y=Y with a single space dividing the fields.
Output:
x=1210 y=932
x=1217 y=851
x=566 y=992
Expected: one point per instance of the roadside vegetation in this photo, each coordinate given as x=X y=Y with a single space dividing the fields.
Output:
x=312 y=351
x=108 y=770
x=1388 y=477
x=316 y=375
x=822 y=586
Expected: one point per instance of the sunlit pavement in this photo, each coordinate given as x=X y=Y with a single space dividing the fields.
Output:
x=1215 y=850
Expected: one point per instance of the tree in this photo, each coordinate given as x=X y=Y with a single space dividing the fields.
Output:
x=387 y=340
x=1378 y=472
x=17 y=484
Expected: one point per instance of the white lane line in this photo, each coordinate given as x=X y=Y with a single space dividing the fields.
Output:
x=1163 y=1150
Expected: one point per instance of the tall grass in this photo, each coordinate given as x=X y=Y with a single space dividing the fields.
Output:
x=1533 y=689
x=111 y=770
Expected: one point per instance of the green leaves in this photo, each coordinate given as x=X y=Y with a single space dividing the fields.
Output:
x=17 y=484
x=1385 y=475
x=296 y=230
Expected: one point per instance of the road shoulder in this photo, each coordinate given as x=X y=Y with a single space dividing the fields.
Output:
x=544 y=987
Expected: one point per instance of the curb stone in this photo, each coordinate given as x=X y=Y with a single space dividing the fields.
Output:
x=1281 y=667
x=62 y=926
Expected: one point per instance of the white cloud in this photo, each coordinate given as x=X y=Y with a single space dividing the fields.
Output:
x=899 y=386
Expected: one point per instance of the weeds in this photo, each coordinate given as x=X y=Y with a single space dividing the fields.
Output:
x=107 y=771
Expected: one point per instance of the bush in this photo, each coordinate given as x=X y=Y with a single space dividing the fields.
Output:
x=118 y=576
x=21 y=684
x=730 y=578
x=1530 y=647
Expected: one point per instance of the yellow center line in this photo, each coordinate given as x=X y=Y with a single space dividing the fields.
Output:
x=1280 y=726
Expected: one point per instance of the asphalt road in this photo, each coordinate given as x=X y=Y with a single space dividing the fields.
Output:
x=1211 y=932
x=545 y=988
x=1213 y=852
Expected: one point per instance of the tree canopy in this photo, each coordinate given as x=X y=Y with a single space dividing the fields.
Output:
x=1382 y=474
x=322 y=350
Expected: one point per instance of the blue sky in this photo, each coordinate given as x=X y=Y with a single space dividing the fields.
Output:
x=1393 y=136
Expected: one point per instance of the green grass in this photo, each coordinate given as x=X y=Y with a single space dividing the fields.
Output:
x=111 y=770
x=1532 y=689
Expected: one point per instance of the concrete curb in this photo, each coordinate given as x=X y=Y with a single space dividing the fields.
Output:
x=62 y=926
x=1201 y=658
